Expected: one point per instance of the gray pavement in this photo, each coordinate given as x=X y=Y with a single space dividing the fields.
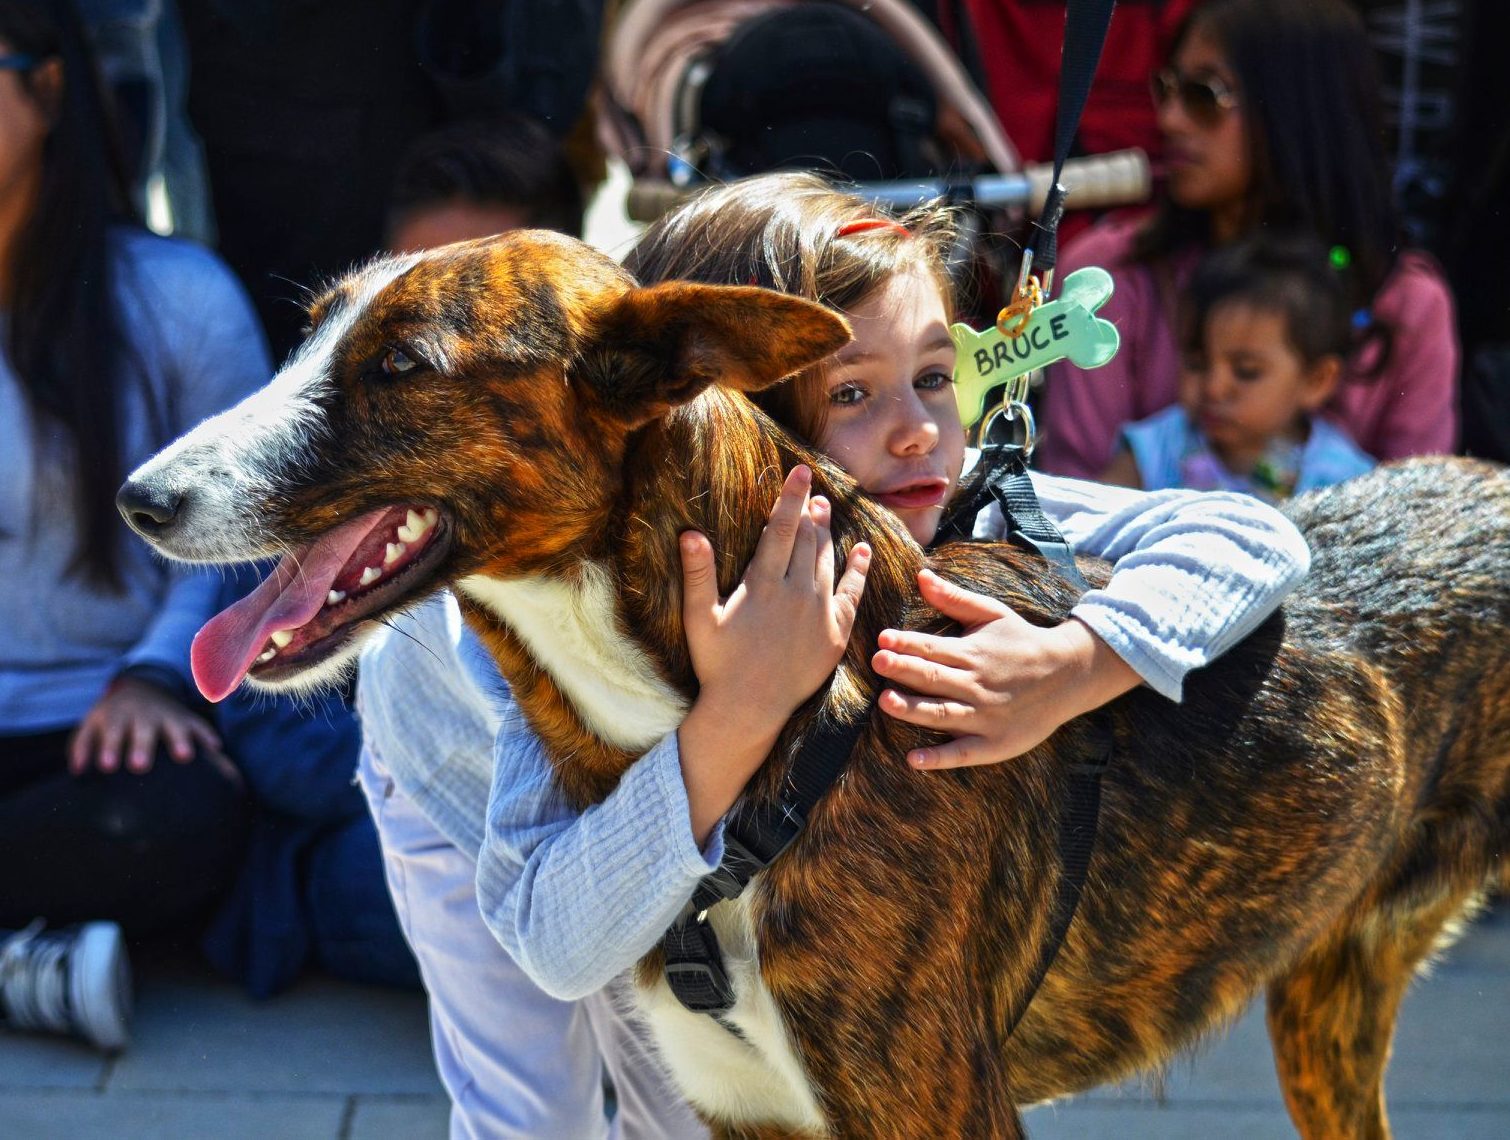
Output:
x=330 y=1061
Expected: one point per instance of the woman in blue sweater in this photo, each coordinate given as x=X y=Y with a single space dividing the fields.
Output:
x=116 y=801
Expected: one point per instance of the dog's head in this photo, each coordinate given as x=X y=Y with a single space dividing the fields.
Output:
x=456 y=412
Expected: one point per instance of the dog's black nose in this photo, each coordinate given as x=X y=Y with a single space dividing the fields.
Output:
x=148 y=510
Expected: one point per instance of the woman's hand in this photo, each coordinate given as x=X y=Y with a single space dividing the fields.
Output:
x=763 y=650
x=1000 y=687
x=133 y=716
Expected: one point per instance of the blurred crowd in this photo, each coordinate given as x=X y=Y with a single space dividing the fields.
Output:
x=1313 y=288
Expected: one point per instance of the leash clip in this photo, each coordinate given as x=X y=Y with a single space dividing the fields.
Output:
x=1013 y=320
x=1013 y=411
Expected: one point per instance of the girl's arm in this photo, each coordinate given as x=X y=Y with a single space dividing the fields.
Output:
x=1193 y=574
x=578 y=898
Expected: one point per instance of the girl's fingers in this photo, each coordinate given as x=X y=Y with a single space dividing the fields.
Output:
x=928 y=678
x=108 y=754
x=81 y=748
x=851 y=586
x=142 y=743
x=699 y=581
x=800 y=570
x=951 y=651
x=964 y=606
x=954 y=717
x=823 y=569
x=961 y=752
x=773 y=554
x=206 y=735
x=180 y=743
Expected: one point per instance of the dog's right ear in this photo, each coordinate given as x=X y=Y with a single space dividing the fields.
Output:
x=660 y=346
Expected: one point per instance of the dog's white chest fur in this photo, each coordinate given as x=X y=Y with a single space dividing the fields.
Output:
x=572 y=631
x=758 y=1079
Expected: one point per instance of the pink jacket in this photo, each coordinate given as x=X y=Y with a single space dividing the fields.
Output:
x=1410 y=408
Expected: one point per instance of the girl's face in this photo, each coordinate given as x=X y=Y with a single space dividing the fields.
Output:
x=1205 y=135
x=893 y=422
x=1249 y=385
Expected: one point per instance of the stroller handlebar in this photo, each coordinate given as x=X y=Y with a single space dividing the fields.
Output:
x=1118 y=178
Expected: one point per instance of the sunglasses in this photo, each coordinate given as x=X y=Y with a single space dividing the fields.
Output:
x=17 y=62
x=1206 y=100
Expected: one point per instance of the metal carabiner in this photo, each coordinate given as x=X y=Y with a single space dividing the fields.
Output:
x=1012 y=412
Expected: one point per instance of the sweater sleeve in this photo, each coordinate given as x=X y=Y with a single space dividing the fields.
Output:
x=576 y=899
x=1193 y=573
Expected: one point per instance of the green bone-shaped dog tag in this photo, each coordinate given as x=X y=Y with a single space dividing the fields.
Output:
x=1065 y=328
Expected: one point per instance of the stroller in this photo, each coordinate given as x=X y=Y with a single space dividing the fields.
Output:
x=863 y=90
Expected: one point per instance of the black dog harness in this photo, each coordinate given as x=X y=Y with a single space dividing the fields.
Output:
x=756 y=834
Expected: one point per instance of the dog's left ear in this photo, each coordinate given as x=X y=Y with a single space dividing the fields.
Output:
x=656 y=347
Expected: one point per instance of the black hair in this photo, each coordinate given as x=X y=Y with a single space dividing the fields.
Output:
x=506 y=160
x=65 y=343
x=1289 y=274
x=1309 y=92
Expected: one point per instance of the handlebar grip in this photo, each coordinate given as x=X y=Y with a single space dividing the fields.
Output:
x=1118 y=178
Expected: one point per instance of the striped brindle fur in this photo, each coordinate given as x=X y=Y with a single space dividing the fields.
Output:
x=1314 y=819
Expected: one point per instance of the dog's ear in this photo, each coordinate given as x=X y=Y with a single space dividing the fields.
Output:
x=656 y=347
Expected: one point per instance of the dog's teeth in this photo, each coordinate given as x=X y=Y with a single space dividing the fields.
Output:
x=415 y=524
x=267 y=655
x=335 y=597
x=281 y=638
x=370 y=575
x=395 y=552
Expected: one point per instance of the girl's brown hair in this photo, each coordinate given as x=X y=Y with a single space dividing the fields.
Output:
x=782 y=232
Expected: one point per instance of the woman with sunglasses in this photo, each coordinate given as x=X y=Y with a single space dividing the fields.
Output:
x=1269 y=114
x=118 y=809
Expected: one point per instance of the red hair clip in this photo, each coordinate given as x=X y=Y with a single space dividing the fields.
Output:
x=866 y=224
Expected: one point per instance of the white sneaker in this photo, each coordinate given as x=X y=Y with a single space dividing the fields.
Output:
x=67 y=981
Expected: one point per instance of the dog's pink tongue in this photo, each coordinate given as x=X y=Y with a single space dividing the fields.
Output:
x=292 y=594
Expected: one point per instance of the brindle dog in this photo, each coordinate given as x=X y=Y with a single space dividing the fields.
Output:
x=1314 y=817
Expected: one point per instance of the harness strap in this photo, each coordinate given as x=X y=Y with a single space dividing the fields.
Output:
x=754 y=836
x=1077 y=839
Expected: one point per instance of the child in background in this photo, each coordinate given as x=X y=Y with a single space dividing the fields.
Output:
x=480 y=177
x=1266 y=330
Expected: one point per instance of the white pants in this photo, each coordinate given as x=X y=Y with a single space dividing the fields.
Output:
x=517 y=1063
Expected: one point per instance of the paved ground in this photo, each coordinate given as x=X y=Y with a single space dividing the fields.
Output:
x=329 y=1061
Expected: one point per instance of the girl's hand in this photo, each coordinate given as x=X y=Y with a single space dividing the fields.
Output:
x=999 y=688
x=763 y=650
x=132 y=716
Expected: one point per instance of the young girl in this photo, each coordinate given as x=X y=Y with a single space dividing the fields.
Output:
x=576 y=898
x=1269 y=112
x=1265 y=331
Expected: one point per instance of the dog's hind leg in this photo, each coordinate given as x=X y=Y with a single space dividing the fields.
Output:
x=1332 y=1016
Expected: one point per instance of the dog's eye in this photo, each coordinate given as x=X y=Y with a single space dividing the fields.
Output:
x=396 y=362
